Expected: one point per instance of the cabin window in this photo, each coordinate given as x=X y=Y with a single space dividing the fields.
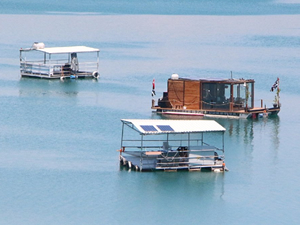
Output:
x=215 y=96
x=242 y=95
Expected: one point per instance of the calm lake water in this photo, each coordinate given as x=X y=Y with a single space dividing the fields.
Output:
x=58 y=140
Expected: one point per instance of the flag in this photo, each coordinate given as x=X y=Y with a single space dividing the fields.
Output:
x=275 y=85
x=153 y=87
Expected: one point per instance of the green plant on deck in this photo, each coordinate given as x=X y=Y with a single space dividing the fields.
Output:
x=247 y=93
x=276 y=99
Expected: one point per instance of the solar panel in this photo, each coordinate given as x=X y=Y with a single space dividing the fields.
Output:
x=165 y=127
x=148 y=128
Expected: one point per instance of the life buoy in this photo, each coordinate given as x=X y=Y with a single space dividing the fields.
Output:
x=96 y=74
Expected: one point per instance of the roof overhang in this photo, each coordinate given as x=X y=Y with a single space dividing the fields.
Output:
x=71 y=49
x=218 y=80
x=173 y=126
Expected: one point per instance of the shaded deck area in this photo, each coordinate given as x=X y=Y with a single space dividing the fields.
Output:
x=59 y=62
x=172 y=160
x=171 y=145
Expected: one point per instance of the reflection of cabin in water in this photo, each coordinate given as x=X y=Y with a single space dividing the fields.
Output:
x=211 y=97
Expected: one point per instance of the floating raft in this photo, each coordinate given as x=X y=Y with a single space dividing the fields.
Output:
x=172 y=145
x=59 y=62
x=229 y=98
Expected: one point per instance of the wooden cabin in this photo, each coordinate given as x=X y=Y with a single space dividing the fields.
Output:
x=211 y=97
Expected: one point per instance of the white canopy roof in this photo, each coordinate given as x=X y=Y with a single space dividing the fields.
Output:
x=71 y=49
x=149 y=126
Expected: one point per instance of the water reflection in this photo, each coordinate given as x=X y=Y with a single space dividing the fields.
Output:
x=275 y=124
x=239 y=127
x=275 y=139
x=196 y=186
x=33 y=87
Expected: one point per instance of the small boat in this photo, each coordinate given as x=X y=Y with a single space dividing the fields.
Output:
x=59 y=62
x=229 y=98
x=172 y=145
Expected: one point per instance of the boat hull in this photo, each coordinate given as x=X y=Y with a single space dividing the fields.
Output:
x=241 y=114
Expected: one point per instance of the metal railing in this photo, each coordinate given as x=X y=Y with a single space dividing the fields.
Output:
x=56 y=69
x=178 y=159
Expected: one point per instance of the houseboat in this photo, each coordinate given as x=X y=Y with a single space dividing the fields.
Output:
x=171 y=145
x=59 y=62
x=232 y=98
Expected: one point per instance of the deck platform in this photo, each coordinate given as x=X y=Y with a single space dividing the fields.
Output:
x=160 y=160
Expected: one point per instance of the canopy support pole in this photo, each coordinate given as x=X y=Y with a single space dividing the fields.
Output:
x=122 y=135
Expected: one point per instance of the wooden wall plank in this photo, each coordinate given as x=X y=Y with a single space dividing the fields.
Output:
x=175 y=93
x=192 y=94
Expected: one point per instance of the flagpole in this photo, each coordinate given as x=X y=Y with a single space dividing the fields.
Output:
x=274 y=87
x=278 y=91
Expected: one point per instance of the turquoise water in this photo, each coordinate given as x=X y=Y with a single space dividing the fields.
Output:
x=58 y=140
x=157 y=7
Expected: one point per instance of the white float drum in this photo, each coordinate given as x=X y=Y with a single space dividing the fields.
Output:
x=96 y=74
x=38 y=45
x=174 y=76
